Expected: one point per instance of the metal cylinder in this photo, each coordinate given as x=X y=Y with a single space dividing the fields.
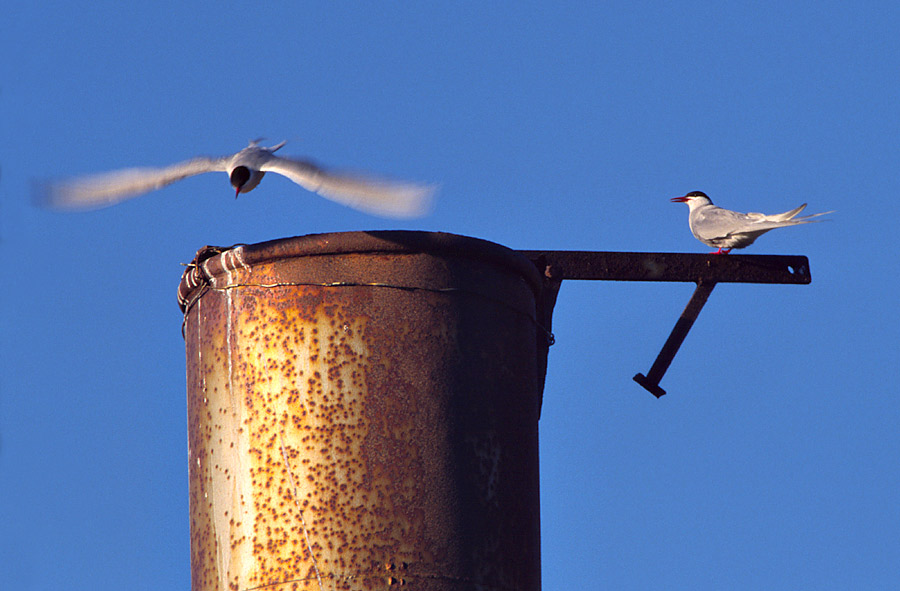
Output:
x=362 y=414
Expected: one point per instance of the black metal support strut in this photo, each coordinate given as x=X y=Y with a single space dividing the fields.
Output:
x=650 y=382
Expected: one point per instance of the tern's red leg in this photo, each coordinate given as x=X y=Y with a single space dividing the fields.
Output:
x=722 y=251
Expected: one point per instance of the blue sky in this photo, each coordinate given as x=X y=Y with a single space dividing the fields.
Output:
x=772 y=463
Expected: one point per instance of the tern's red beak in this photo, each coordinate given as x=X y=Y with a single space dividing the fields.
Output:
x=679 y=199
x=237 y=192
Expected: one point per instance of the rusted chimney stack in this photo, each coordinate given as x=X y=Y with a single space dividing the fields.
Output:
x=363 y=414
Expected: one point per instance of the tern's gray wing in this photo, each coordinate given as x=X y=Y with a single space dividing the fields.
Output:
x=715 y=223
x=102 y=190
x=711 y=223
x=378 y=196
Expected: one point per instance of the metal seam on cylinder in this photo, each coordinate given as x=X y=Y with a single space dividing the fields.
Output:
x=212 y=259
x=551 y=339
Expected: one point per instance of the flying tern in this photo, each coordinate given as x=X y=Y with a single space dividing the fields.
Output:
x=725 y=229
x=245 y=170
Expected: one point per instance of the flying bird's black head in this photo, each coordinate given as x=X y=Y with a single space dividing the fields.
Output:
x=239 y=177
x=697 y=194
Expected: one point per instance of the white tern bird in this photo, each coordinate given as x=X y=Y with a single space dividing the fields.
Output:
x=245 y=169
x=725 y=229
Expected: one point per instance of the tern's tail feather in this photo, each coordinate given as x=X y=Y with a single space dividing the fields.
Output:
x=808 y=218
x=788 y=215
x=789 y=218
x=255 y=143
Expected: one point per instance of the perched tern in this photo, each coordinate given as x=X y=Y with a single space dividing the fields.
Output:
x=245 y=169
x=725 y=229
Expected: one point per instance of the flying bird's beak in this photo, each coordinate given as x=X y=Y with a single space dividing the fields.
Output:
x=679 y=199
x=237 y=192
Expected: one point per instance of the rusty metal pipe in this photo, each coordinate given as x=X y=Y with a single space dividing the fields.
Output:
x=363 y=413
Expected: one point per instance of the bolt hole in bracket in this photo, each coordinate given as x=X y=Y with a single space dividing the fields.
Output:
x=706 y=270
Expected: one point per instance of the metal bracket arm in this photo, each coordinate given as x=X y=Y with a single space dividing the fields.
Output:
x=703 y=269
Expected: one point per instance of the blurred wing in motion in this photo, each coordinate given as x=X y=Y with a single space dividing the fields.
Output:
x=105 y=189
x=382 y=197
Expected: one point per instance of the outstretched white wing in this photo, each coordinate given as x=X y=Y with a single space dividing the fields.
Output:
x=369 y=194
x=102 y=190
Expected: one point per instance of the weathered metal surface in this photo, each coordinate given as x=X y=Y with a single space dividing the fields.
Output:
x=363 y=414
x=668 y=266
